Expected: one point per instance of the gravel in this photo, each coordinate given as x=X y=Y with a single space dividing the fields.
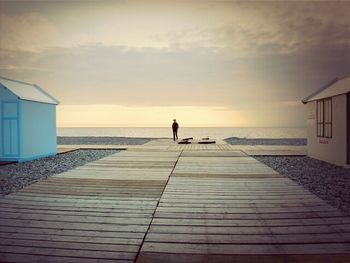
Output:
x=247 y=141
x=16 y=176
x=102 y=140
x=327 y=181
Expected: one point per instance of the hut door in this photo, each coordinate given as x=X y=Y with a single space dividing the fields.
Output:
x=348 y=125
x=10 y=134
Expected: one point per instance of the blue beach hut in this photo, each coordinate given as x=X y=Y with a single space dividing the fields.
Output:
x=27 y=121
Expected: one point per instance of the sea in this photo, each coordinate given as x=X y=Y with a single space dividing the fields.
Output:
x=195 y=132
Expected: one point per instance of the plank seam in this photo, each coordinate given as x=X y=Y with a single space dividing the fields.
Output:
x=155 y=209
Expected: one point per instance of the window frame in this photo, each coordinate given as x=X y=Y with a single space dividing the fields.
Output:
x=324 y=120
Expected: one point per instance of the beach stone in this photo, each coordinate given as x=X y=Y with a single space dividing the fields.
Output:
x=327 y=181
x=262 y=141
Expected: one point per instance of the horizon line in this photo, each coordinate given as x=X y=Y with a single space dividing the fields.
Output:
x=181 y=127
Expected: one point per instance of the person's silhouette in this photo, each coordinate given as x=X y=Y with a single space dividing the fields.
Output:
x=175 y=127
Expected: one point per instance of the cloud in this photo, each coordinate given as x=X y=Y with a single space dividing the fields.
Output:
x=153 y=77
x=251 y=57
x=237 y=28
x=253 y=28
x=28 y=31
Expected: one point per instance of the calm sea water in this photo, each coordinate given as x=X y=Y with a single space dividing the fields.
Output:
x=212 y=132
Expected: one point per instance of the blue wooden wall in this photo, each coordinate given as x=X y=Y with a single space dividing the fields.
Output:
x=38 y=130
x=27 y=128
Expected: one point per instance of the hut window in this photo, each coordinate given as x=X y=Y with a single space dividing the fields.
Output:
x=324 y=118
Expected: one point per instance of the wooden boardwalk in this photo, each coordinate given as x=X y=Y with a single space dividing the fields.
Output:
x=98 y=212
x=173 y=205
x=222 y=206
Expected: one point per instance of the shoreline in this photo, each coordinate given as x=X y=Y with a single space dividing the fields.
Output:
x=105 y=140
x=102 y=140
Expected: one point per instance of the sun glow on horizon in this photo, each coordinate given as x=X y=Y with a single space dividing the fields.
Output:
x=123 y=116
x=104 y=115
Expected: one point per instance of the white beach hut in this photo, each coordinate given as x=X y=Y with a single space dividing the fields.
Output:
x=328 y=122
x=27 y=121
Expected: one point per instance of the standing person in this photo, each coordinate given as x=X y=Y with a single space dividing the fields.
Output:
x=175 y=127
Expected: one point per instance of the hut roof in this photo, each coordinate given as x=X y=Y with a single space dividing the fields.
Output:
x=27 y=91
x=334 y=88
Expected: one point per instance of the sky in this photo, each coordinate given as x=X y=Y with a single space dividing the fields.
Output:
x=205 y=63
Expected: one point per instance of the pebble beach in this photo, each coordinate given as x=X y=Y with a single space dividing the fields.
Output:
x=327 y=181
x=262 y=141
x=14 y=177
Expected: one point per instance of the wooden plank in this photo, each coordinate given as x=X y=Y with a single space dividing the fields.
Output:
x=257 y=202
x=60 y=244
x=228 y=197
x=202 y=196
x=251 y=222
x=82 y=188
x=245 y=174
x=135 y=175
x=111 y=170
x=59 y=180
x=75 y=225
x=80 y=204
x=111 y=194
x=227 y=192
x=97 y=187
x=80 y=239
x=248 y=239
x=30 y=258
x=255 y=215
x=252 y=230
x=106 y=213
x=78 y=218
x=241 y=205
x=245 y=190
x=224 y=249
x=77 y=197
x=147 y=257
x=130 y=211
x=67 y=252
x=213 y=154
x=71 y=232
x=233 y=185
x=74 y=199
x=276 y=152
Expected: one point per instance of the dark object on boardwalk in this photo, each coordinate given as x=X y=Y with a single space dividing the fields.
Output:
x=206 y=141
x=185 y=141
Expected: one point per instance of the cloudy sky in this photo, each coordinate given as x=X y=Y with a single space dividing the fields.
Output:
x=206 y=63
